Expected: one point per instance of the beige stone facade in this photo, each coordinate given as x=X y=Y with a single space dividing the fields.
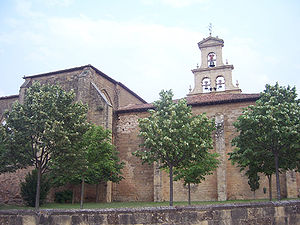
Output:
x=103 y=95
x=115 y=107
x=213 y=75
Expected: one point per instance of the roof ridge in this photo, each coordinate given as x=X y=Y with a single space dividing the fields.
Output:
x=207 y=99
x=97 y=71
x=9 y=96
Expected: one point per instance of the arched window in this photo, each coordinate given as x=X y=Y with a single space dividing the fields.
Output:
x=220 y=83
x=206 y=85
x=107 y=96
x=211 y=59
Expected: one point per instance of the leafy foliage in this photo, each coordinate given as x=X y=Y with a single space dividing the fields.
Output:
x=63 y=196
x=95 y=160
x=253 y=179
x=102 y=161
x=199 y=166
x=174 y=138
x=269 y=134
x=28 y=189
x=43 y=128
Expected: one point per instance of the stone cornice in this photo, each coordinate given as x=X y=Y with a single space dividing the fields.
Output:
x=213 y=68
x=218 y=42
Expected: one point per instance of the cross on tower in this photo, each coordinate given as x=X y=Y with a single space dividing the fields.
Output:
x=210 y=28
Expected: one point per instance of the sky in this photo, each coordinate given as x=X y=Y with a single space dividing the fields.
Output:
x=150 y=45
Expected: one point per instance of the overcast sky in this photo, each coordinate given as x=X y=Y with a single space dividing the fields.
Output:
x=149 y=45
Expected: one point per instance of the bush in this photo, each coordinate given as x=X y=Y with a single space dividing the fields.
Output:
x=28 y=188
x=63 y=196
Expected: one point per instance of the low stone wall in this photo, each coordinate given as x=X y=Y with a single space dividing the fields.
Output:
x=284 y=212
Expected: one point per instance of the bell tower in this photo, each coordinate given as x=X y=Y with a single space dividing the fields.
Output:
x=213 y=75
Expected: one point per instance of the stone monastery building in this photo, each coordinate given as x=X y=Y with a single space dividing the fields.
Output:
x=116 y=107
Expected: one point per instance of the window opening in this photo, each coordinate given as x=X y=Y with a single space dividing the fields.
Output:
x=206 y=85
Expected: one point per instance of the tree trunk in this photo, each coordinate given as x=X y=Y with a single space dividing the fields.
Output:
x=254 y=195
x=97 y=193
x=171 y=185
x=189 y=187
x=277 y=176
x=270 y=186
x=82 y=193
x=73 y=194
x=38 y=189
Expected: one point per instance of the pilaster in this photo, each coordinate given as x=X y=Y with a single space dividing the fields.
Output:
x=291 y=184
x=220 y=149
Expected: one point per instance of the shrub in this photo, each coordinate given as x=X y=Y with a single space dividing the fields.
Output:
x=28 y=188
x=63 y=196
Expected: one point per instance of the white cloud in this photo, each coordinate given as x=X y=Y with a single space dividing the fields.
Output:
x=174 y=3
x=248 y=64
x=63 y=3
x=181 y=3
x=24 y=8
x=145 y=57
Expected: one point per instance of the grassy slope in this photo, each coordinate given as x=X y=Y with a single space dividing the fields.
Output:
x=123 y=204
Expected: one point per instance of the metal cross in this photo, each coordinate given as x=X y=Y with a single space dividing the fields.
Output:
x=210 y=28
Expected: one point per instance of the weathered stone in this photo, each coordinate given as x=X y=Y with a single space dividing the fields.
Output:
x=115 y=107
x=235 y=214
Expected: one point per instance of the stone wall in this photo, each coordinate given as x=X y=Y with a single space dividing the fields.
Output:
x=10 y=187
x=102 y=94
x=6 y=104
x=138 y=182
x=266 y=213
x=226 y=183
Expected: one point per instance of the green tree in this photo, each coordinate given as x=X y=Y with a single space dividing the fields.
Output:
x=43 y=128
x=252 y=159
x=270 y=132
x=4 y=163
x=172 y=135
x=28 y=188
x=253 y=180
x=201 y=164
x=96 y=161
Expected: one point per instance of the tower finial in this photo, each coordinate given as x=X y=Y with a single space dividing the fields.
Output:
x=210 y=28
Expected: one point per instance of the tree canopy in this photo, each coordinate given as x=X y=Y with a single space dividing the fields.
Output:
x=43 y=128
x=269 y=133
x=173 y=137
x=95 y=160
x=201 y=164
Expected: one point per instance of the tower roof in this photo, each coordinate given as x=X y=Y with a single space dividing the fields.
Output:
x=210 y=42
x=198 y=100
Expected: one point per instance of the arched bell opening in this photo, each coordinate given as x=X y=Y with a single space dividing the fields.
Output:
x=206 y=85
x=211 y=59
x=220 y=83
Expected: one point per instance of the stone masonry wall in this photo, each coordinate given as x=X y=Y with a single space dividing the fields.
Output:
x=266 y=213
x=10 y=187
x=226 y=183
x=6 y=103
x=138 y=182
x=100 y=113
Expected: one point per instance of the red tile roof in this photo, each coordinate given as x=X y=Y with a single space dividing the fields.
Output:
x=198 y=100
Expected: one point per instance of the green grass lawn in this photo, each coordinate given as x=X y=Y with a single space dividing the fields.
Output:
x=125 y=204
